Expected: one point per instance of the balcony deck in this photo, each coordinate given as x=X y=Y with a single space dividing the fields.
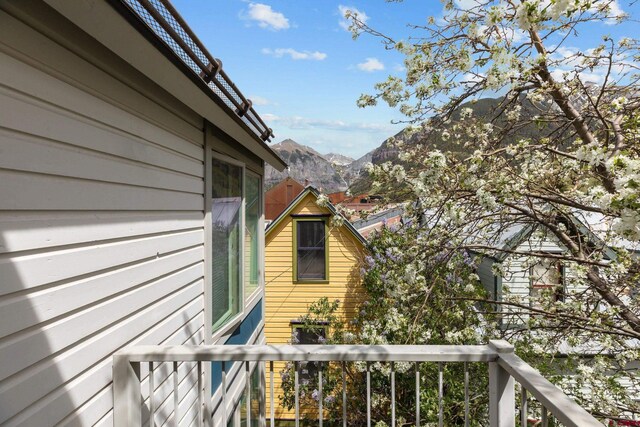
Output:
x=504 y=368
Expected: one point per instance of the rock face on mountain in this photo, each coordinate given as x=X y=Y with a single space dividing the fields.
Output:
x=305 y=164
x=351 y=172
x=338 y=159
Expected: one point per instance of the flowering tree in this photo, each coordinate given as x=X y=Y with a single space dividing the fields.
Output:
x=558 y=153
x=407 y=303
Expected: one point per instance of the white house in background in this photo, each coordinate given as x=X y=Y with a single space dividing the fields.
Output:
x=546 y=278
x=130 y=208
x=522 y=276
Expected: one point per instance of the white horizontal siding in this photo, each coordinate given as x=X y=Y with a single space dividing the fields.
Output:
x=101 y=224
x=75 y=129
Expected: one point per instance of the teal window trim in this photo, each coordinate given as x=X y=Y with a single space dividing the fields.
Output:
x=317 y=218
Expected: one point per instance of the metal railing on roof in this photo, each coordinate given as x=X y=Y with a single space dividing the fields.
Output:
x=165 y=21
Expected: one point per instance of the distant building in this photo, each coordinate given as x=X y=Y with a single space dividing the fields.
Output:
x=358 y=203
x=278 y=197
x=375 y=222
x=337 y=197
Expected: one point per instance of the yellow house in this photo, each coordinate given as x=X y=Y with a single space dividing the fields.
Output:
x=307 y=258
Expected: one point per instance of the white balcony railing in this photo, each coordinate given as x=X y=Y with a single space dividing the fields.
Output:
x=505 y=368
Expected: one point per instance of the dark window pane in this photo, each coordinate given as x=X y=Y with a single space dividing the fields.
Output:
x=311 y=250
x=310 y=336
x=311 y=264
x=309 y=370
x=311 y=234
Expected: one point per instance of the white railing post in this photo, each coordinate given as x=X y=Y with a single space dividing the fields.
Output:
x=502 y=400
x=127 y=398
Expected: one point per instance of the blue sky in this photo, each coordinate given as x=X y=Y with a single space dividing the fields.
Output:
x=304 y=72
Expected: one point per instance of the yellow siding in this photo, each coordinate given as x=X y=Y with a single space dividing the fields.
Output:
x=286 y=301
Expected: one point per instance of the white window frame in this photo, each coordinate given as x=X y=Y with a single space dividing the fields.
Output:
x=237 y=318
x=252 y=298
x=247 y=302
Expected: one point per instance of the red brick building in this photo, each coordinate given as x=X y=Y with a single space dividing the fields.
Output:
x=279 y=196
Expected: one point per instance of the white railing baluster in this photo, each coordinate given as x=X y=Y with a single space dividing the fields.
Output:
x=368 y=394
x=200 y=396
x=393 y=395
x=320 y=414
x=272 y=394
x=297 y=392
x=417 y=395
x=152 y=389
x=344 y=395
x=248 y=391
x=263 y=394
x=223 y=400
x=440 y=396
x=523 y=408
x=466 y=395
x=176 y=397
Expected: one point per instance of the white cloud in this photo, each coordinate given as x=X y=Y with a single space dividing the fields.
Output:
x=399 y=68
x=297 y=122
x=569 y=60
x=266 y=17
x=295 y=54
x=516 y=35
x=467 y=4
x=371 y=65
x=344 y=22
x=470 y=79
x=259 y=100
x=614 y=11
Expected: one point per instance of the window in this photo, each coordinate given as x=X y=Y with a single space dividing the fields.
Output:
x=309 y=335
x=252 y=230
x=226 y=217
x=310 y=252
x=547 y=281
x=236 y=237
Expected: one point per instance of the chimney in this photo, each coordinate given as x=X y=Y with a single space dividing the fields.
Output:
x=306 y=182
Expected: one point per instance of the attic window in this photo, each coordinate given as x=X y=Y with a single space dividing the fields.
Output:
x=547 y=281
x=310 y=249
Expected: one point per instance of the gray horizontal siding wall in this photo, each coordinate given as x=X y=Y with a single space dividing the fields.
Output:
x=101 y=222
x=486 y=276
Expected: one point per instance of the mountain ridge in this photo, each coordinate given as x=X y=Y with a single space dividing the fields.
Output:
x=306 y=165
